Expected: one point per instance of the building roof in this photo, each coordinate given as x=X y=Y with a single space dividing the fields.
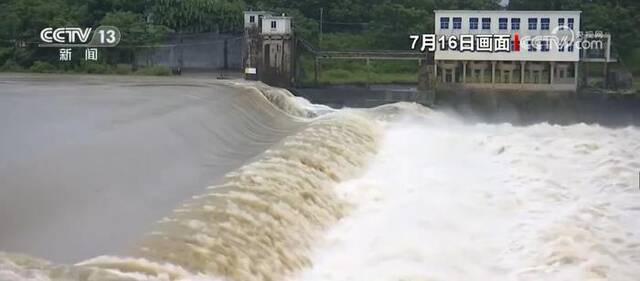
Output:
x=258 y=12
x=277 y=17
x=508 y=11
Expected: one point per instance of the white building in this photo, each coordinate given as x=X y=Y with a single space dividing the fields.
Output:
x=541 y=63
x=267 y=23
x=269 y=49
x=254 y=18
x=276 y=25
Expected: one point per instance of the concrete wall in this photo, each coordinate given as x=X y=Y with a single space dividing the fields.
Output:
x=277 y=55
x=499 y=106
x=204 y=51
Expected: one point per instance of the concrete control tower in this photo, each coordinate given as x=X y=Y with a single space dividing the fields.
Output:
x=269 y=49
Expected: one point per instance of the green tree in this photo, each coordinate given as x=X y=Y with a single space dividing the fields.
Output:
x=22 y=21
x=620 y=18
x=135 y=34
x=199 y=15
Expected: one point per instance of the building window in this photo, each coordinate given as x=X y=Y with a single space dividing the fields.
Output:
x=533 y=23
x=570 y=23
x=561 y=23
x=515 y=24
x=273 y=24
x=532 y=48
x=473 y=23
x=561 y=47
x=457 y=23
x=570 y=47
x=544 y=46
x=502 y=23
x=444 y=23
x=486 y=23
x=252 y=19
x=544 y=24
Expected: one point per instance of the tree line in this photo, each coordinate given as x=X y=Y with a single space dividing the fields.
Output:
x=370 y=24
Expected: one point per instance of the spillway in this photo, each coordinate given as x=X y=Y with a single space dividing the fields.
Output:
x=446 y=199
x=112 y=178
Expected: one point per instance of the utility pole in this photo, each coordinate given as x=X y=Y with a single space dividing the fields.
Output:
x=321 y=10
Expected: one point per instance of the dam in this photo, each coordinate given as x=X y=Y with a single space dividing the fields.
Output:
x=187 y=178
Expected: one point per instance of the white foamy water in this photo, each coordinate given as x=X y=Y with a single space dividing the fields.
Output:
x=448 y=201
x=439 y=200
x=261 y=222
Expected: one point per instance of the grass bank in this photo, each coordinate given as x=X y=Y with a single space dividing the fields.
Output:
x=357 y=72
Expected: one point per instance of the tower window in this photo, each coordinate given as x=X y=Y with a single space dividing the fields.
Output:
x=532 y=47
x=515 y=24
x=473 y=23
x=533 y=23
x=486 y=23
x=444 y=23
x=545 y=46
x=544 y=24
x=502 y=23
x=457 y=23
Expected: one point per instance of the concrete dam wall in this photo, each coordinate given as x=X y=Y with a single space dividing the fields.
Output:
x=197 y=52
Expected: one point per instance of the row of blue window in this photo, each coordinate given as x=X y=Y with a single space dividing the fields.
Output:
x=503 y=23
x=544 y=47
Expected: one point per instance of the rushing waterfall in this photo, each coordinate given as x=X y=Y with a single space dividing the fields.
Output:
x=260 y=223
x=448 y=200
x=398 y=192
